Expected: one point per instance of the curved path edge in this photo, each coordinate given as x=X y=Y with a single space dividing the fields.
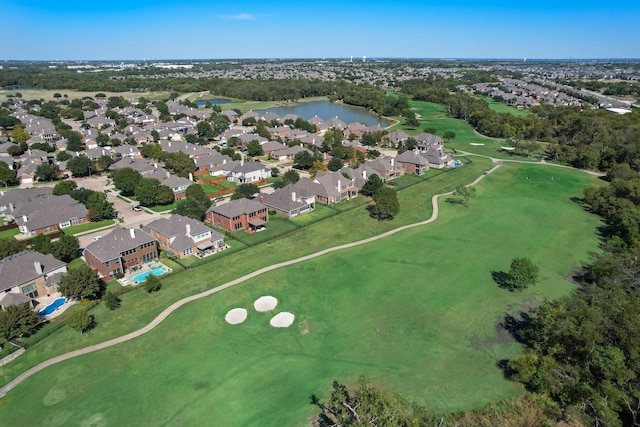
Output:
x=176 y=305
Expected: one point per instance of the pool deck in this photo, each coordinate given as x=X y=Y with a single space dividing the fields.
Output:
x=46 y=300
x=128 y=276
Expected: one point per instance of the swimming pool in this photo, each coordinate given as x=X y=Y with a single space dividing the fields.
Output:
x=141 y=277
x=457 y=164
x=57 y=303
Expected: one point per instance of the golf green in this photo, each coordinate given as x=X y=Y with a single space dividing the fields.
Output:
x=416 y=313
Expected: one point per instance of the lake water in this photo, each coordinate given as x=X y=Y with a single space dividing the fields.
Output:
x=327 y=110
x=203 y=102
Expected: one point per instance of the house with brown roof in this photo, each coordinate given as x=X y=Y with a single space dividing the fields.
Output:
x=287 y=202
x=119 y=251
x=182 y=236
x=413 y=162
x=48 y=213
x=386 y=167
x=238 y=214
x=26 y=274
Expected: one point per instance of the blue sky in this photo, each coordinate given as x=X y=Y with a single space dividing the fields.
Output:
x=198 y=29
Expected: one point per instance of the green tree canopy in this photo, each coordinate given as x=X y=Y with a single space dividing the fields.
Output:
x=180 y=163
x=372 y=186
x=522 y=274
x=64 y=187
x=80 y=283
x=17 y=320
x=80 y=320
x=244 y=190
x=81 y=166
x=146 y=191
x=386 y=204
x=126 y=180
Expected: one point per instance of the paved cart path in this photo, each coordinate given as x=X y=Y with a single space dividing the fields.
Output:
x=176 y=305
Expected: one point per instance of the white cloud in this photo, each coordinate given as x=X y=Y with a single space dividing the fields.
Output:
x=238 y=17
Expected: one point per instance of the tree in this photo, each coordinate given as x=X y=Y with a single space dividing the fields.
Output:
x=146 y=191
x=74 y=140
x=66 y=248
x=244 y=190
x=126 y=180
x=254 y=148
x=412 y=120
x=181 y=164
x=290 y=177
x=152 y=284
x=335 y=164
x=466 y=192
x=81 y=166
x=111 y=300
x=11 y=246
x=17 y=320
x=19 y=134
x=62 y=156
x=42 y=244
x=317 y=167
x=7 y=176
x=80 y=320
x=522 y=274
x=80 y=283
x=449 y=135
x=104 y=162
x=99 y=207
x=372 y=186
x=204 y=130
x=164 y=196
x=303 y=159
x=275 y=172
x=64 y=187
x=386 y=204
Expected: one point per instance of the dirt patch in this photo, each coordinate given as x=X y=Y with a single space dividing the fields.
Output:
x=304 y=327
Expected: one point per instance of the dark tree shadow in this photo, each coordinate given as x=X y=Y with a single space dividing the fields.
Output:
x=507 y=372
x=455 y=201
x=517 y=325
x=502 y=279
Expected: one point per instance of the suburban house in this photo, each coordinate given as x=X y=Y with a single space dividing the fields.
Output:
x=238 y=215
x=47 y=213
x=121 y=250
x=397 y=136
x=386 y=167
x=27 y=275
x=10 y=198
x=249 y=172
x=342 y=187
x=413 y=162
x=287 y=203
x=182 y=236
x=177 y=184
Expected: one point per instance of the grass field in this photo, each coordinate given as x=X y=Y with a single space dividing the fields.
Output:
x=47 y=95
x=416 y=313
x=10 y=233
x=87 y=226
x=435 y=116
x=501 y=107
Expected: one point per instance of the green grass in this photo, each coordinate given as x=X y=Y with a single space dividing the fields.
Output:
x=87 y=226
x=276 y=226
x=163 y=208
x=10 y=233
x=319 y=213
x=209 y=189
x=435 y=116
x=416 y=313
x=501 y=107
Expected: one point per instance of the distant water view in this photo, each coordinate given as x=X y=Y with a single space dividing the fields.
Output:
x=327 y=110
x=203 y=102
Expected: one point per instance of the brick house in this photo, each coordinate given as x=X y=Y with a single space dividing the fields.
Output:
x=413 y=162
x=238 y=215
x=121 y=250
x=286 y=202
x=30 y=274
x=182 y=236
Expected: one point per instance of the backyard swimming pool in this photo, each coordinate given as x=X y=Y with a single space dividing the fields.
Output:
x=56 y=304
x=141 y=277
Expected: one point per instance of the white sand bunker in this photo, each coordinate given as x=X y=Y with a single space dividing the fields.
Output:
x=282 y=320
x=236 y=316
x=266 y=303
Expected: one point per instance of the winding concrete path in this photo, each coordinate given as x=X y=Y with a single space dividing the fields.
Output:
x=173 y=307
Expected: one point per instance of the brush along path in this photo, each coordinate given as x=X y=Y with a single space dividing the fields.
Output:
x=173 y=307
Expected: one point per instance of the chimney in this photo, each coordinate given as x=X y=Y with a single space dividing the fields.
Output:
x=261 y=198
x=38 y=267
x=392 y=159
x=155 y=165
x=188 y=228
x=339 y=185
x=132 y=232
x=364 y=174
x=241 y=162
x=293 y=196
x=190 y=176
x=24 y=218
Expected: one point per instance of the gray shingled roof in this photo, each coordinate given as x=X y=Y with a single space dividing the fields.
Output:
x=119 y=240
x=176 y=227
x=20 y=268
x=16 y=195
x=48 y=210
x=237 y=207
x=284 y=199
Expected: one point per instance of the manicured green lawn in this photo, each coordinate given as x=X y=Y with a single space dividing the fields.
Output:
x=276 y=226
x=416 y=313
x=10 y=233
x=209 y=189
x=501 y=107
x=87 y=226
x=319 y=213
x=163 y=208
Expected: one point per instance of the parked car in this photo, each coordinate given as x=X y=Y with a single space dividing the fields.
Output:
x=136 y=208
x=218 y=199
